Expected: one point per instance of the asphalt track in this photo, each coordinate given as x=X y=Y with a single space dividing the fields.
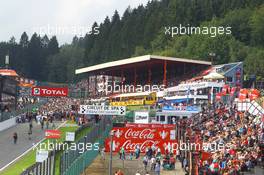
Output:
x=10 y=151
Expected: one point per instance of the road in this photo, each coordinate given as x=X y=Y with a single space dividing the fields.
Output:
x=10 y=151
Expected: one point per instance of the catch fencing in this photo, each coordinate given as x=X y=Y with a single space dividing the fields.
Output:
x=46 y=167
x=74 y=162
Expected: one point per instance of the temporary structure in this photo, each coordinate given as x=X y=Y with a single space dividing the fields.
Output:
x=214 y=75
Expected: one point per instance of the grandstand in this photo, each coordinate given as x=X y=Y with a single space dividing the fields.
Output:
x=142 y=70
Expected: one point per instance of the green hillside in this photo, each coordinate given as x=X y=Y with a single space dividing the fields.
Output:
x=142 y=31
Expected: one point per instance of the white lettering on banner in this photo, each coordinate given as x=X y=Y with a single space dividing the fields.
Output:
x=130 y=146
x=144 y=134
x=102 y=110
x=54 y=92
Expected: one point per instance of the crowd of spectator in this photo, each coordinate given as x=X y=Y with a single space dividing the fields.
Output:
x=240 y=134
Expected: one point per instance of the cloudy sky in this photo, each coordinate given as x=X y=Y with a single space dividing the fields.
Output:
x=63 y=18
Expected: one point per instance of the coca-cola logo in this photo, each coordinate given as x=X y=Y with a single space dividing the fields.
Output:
x=131 y=146
x=143 y=134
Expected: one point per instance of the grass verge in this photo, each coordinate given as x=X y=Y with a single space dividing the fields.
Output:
x=29 y=159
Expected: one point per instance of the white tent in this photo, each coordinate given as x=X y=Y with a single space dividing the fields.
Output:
x=214 y=75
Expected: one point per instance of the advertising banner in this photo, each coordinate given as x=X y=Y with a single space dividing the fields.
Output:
x=130 y=145
x=52 y=134
x=134 y=125
x=41 y=155
x=253 y=94
x=102 y=110
x=243 y=94
x=70 y=136
x=49 y=92
x=132 y=137
x=142 y=117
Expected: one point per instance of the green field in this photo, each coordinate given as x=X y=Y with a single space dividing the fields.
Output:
x=30 y=158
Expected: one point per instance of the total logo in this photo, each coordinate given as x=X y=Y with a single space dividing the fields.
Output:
x=49 y=92
x=37 y=91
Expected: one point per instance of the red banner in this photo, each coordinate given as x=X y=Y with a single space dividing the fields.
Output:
x=49 y=92
x=243 y=94
x=225 y=89
x=253 y=94
x=52 y=134
x=233 y=90
x=131 y=137
x=133 y=125
x=145 y=133
x=218 y=96
x=130 y=145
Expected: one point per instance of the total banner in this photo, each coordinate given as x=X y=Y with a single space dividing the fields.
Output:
x=49 y=91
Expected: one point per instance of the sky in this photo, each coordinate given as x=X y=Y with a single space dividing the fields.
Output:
x=63 y=18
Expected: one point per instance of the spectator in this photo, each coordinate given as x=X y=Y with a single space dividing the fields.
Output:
x=157 y=169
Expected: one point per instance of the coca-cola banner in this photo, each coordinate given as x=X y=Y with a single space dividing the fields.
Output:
x=131 y=136
x=131 y=144
x=145 y=133
x=133 y=125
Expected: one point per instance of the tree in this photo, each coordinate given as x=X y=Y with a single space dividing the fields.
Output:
x=257 y=27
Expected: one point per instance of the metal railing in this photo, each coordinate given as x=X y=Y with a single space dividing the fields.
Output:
x=75 y=161
x=47 y=167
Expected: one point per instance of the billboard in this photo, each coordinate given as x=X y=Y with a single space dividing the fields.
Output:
x=142 y=117
x=131 y=137
x=102 y=110
x=52 y=134
x=49 y=91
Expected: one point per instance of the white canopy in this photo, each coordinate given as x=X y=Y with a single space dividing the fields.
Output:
x=214 y=75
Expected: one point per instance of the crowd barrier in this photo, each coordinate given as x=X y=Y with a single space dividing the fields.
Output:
x=46 y=167
x=73 y=161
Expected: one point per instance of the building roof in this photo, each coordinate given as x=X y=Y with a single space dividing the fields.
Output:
x=137 y=60
x=8 y=72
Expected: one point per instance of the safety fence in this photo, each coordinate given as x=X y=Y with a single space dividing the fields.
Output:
x=75 y=161
x=47 y=167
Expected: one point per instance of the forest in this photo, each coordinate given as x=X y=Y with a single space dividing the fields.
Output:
x=142 y=31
